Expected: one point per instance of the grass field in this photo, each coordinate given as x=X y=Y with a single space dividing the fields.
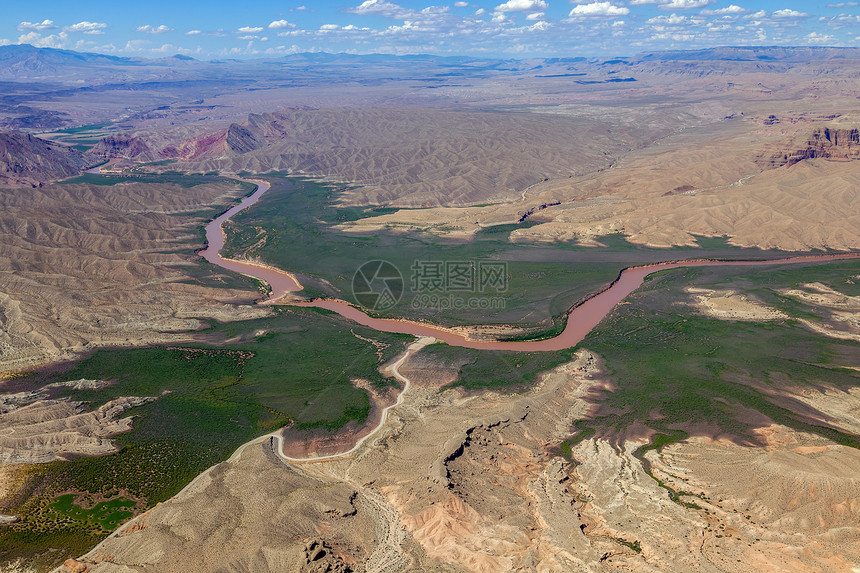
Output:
x=295 y=367
x=104 y=516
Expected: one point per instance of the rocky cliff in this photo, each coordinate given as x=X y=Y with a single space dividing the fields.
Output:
x=823 y=142
x=258 y=131
x=125 y=146
x=28 y=160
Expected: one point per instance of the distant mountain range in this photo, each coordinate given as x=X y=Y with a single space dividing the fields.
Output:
x=24 y=62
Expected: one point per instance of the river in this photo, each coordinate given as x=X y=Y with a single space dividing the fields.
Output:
x=580 y=321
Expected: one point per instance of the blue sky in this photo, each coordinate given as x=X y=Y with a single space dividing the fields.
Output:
x=511 y=28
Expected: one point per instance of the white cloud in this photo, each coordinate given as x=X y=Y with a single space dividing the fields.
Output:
x=284 y=50
x=480 y=12
x=328 y=27
x=673 y=36
x=160 y=29
x=728 y=10
x=536 y=16
x=673 y=4
x=522 y=6
x=843 y=5
x=135 y=45
x=36 y=39
x=277 y=24
x=599 y=9
x=249 y=29
x=193 y=32
x=87 y=27
x=816 y=38
x=843 y=19
x=460 y=4
x=673 y=20
x=4 y=42
x=36 y=26
x=383 y=8
x=684 y=4
x=789 y=13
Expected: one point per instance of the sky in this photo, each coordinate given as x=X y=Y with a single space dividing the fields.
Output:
x=500 y=28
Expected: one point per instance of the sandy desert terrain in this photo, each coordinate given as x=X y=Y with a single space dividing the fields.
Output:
x=551 y=472
x=418 y=486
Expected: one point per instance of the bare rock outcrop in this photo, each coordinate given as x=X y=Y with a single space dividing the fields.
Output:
x=29 y=160
x=319 y=558
x=823 y=142
x=124 y=146
x=74 y=566
x=43 y=430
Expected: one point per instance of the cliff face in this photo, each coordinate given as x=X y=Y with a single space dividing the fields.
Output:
x=126 y=146
x=826 y=142
x=28 y=160
x=258 y=131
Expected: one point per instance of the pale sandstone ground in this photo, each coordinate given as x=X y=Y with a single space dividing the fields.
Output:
x=712 y=180
x=89 y=266
x=470 y=483
x=797 y=495
x=843 y=311
x=731 y=305
x=35 y=429
x=421 y=157
x=840 y=313
x=40 y=432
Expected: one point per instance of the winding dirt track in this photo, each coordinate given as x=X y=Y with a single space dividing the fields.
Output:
x=412 y=349
x=276 y=442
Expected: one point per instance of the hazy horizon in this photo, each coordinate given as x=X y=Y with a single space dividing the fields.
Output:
x=515 y=28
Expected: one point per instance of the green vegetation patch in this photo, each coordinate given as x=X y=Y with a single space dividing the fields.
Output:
x=291 y=227
x=679 y=372
x=83 y=128
x=497 y=369
x=295 y=367
x=170 y=177
x=102 y=516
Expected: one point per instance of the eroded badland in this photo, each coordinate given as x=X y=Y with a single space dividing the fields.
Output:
x=708 y=423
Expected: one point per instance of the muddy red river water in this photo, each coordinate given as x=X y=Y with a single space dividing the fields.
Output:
x=281 y=282
x=580 y=321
